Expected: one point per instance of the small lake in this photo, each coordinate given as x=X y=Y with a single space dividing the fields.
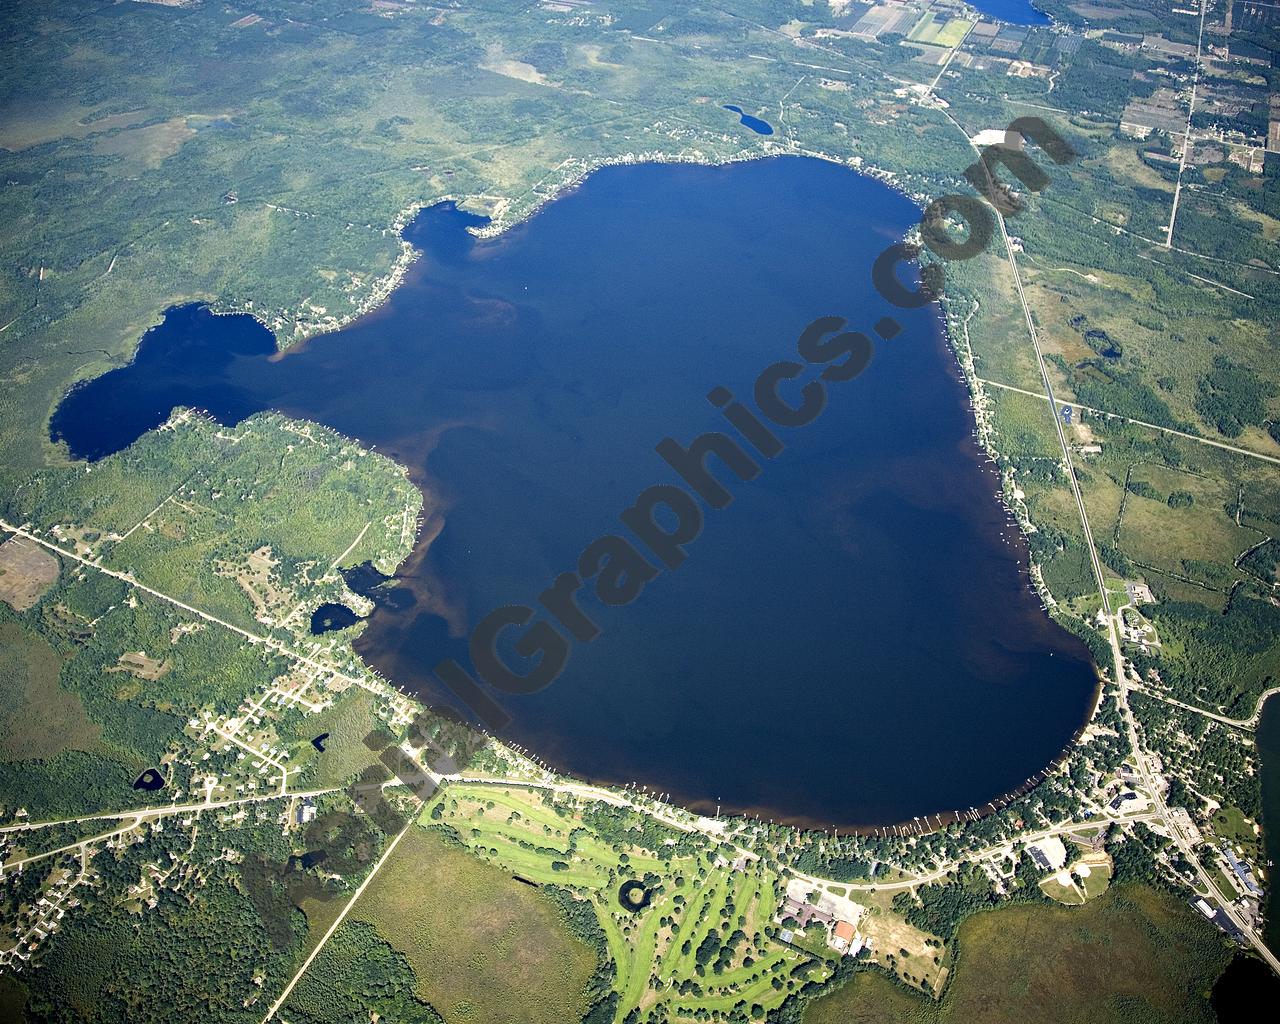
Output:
x=150 y=781
x=852 y=641
x=754 y=123
x=329 y=617
x=1016 y=12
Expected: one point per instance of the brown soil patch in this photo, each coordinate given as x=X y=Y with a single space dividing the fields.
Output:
x=137 y=664
x=27 y=571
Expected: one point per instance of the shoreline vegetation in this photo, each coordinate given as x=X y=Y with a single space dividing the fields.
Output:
x=510 y=216
x=505 y=214
x=62 y=295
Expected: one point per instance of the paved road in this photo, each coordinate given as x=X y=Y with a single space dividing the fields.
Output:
x=1186 y=138
x=941 y=872
x=716 y=830
x=1249 y=723
x=1185 y=846
x=253 y=638
x=1112 y=618
x=1141 y=423
x=685 y=821
x=165 y=810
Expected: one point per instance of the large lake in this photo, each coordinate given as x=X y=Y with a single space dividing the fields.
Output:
x=852 y=641
x=1017 y=12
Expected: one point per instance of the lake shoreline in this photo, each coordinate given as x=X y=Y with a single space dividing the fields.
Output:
x=984 y=451
x=406 y=446
x=1267 y=746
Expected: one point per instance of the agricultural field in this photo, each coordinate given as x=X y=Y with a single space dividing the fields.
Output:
x=933 y=32
x=483 y=947
x=1133 y=953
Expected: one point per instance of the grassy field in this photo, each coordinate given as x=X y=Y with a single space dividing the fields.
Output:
x=1067 y=894
x=1096 y=882
x=1236 y=827
x=1153 y=532
x=888 y=933
x=485 y=949
x=948 y=34
x=1086 y=880
x=1132 y=954
x=38 y=719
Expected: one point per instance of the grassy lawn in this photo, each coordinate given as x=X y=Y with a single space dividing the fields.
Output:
x=1133 y=954
x=1223 y=878
x=1055 y=890
x=485 y=948
x=887 y=933
x=1233 y=825
x=1095 y=883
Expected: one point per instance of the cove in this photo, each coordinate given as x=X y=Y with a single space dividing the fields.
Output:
x=852 y=642
x=330 y=617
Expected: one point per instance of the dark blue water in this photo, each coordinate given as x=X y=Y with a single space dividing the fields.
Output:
x=851 y=641
x=150 y=781
x=1245 y=985
x=330 y=617
x=1267 y=743
x=1016 y=12
x=754 y=123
